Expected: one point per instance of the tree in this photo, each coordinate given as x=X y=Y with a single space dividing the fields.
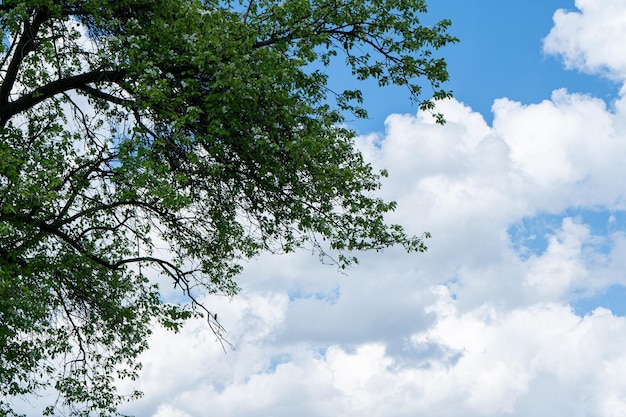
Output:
x=203 y=126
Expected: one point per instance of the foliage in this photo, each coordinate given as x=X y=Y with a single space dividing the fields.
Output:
x=178 y=137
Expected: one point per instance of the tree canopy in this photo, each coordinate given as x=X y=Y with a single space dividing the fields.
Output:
x=177 y=137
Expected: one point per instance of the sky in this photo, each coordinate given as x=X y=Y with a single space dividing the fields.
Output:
x=519 y=306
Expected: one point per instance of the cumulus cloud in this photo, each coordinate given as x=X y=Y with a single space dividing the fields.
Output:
x=488 y=363
x=591 y=38
x=505 y=357
x=475 y=327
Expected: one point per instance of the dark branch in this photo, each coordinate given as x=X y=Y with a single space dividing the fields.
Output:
x=25 y=45
x=46 y=228
x=94 y=92
x=53 y=88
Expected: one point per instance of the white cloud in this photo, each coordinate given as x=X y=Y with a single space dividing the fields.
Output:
x=492 y=363
x=495 y=337
x=170 y=411
x=591 y=39
x=506 y=355
x=562 y=265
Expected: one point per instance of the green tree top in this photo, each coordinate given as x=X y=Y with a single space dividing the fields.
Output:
x=205 y=128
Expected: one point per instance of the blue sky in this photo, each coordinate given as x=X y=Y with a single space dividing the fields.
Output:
x=500 y=55
x=517 y=309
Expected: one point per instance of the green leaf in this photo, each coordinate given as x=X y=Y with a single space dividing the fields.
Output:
x=179 y=137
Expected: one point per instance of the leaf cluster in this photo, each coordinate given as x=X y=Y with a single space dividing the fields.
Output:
x=181 y=138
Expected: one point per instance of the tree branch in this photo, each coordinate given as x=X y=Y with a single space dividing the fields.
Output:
x=76 y=245
x=53 y=88
x=25 y=45
x=94 y=92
